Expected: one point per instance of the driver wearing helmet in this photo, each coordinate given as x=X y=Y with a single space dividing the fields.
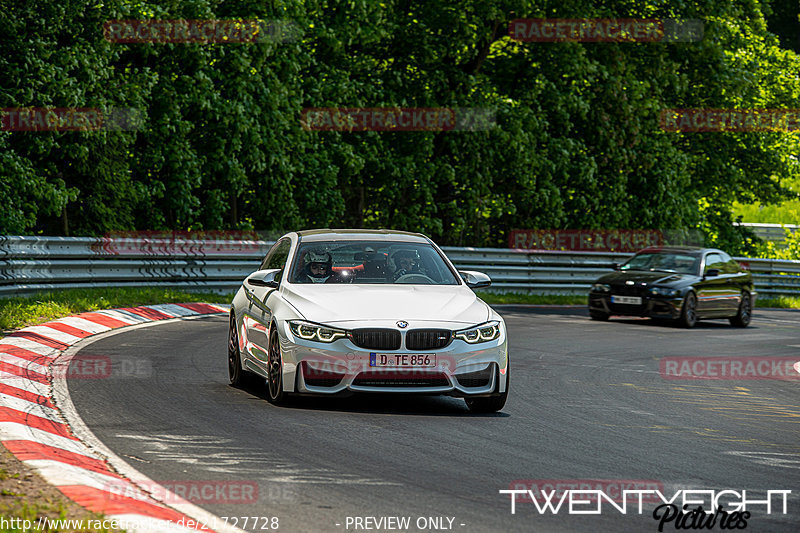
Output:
x=407 y=262
x=317 y=267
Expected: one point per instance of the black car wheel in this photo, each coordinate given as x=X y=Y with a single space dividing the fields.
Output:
x=491 y=404
x=275 y=393
x=235 y=374
x=745 y=312
x=598 y=315
x=688 y=317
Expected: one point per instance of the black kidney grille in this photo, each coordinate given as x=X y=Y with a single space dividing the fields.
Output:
x=627 y=290
x=428 y=339
x=376 y=339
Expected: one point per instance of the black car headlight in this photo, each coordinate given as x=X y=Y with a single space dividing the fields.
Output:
x=601 y=287
x=663 y=291
x=315 y=332
x=483 y=333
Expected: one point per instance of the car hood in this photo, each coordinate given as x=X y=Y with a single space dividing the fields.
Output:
x=662 y=279
x=329 y=304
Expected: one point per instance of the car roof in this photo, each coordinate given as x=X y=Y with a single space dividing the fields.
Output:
x=692 y=250
x=326 y=234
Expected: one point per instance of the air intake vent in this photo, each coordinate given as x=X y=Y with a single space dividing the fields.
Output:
x=428 y=339
x=475 y=379
x=375 y=378
x=376 y=339
x=316 y=375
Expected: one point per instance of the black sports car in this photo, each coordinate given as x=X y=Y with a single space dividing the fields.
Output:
x=681 y=283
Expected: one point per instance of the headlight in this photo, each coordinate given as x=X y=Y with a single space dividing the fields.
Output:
x=483 y=333
x=663 y=291
x=315 y=332
x=601 y=287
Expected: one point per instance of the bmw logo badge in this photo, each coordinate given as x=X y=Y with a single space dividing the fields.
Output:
x=402 y=324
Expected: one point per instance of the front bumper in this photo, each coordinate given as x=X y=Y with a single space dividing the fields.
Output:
x=341 y=367
x=651 y=306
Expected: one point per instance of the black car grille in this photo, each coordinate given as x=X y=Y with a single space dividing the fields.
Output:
x=480 y=378
x=374 y=378
x=627 y=290
x=376 y=339
x=428 y=339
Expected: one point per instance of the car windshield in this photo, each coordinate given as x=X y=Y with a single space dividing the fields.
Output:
x=663 y=262
x=370 y=262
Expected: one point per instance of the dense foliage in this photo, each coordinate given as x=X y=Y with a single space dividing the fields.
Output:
x=577 y=142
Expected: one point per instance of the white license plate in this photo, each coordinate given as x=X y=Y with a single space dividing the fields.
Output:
x=402 y=360
x=630 y=300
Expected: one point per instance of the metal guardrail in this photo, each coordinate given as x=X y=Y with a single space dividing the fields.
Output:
x=30 y=264
x=771 y=232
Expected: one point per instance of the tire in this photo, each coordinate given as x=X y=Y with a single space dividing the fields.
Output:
x=236 y=375
x=745 y=312
x=688 y=318
x=491 y=404
x=598 y=315
x=275 y=392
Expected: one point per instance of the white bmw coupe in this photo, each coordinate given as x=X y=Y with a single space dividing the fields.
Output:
x=342 y=311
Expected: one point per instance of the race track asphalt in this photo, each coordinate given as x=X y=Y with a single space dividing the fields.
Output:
x=587 y=402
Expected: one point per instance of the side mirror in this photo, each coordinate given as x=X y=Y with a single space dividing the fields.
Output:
x=712 y=272
x=616 y=266
x=265 y=278
x=475 y=280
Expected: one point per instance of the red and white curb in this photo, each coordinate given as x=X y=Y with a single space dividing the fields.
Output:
x=39 y=426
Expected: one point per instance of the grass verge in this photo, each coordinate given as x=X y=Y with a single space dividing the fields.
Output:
x=20 y=311
x=785 y=302
x=531 y=299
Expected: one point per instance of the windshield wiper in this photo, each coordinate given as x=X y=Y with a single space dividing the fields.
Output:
x=663 y=270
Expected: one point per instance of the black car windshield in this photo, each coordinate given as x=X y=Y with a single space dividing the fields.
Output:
x=373 y=262
x=664 y=262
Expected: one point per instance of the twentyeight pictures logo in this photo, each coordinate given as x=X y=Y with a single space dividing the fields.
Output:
x=547 y=489
x=684 y=509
